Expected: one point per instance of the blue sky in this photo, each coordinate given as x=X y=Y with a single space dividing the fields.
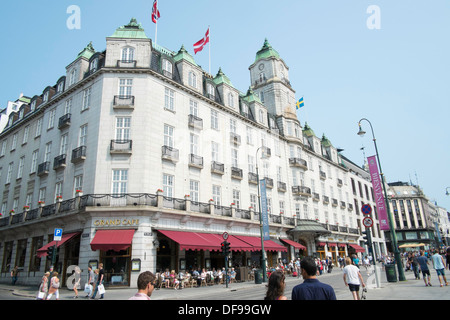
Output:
x=396 y=76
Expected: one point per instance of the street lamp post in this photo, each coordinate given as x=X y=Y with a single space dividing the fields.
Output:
x=401 y=274
x=266 y=151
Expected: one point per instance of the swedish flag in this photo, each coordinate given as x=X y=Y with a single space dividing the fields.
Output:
x=300 y=103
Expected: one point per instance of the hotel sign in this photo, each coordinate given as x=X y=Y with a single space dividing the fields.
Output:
x=378 y=193
x=116 y=222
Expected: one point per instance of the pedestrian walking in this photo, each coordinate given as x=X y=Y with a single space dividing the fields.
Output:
x=100 y=280
x=54 y=287
x=353 y=278
x=146 y=284
x=90 y=282
x=14 y=275
x=43 y=287
x=311 y=288
x=77 y=281
x=415 y=266
x=423 y=263
x=276 y=286
x=439 y=266
x=447 y=256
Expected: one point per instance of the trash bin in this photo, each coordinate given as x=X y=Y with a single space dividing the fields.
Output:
x=391 y=273
x=258 y=276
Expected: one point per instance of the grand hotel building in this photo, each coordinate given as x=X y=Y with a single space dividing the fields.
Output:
x=145 y=160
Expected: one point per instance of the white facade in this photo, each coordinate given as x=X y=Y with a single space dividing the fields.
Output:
x=139 y=118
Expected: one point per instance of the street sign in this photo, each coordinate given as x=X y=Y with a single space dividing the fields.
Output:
x=57 y=234
x=368 y=222
x=225 y=235
x=366 y=209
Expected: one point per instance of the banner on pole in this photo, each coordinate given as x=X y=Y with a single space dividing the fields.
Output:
x=265 y=218
x=378 y=193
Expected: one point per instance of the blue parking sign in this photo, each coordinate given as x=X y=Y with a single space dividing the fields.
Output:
x=57 y=234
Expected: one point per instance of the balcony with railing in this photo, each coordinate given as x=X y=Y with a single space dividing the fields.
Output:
x=195 y=161
x=301 y=191
x=325 y=200
x=43 y=168
x=252 y=178
x=170 y=154
x=78 y=154
x=298 y=162
x=323 y=175
x=217 y=168
x=236 y=173
x=59 y=162
x=195 y=122
x=281 y=186
x=64 y=121
x=121 y=146
x=123 y=102
x=269 y=182
x=315 y=197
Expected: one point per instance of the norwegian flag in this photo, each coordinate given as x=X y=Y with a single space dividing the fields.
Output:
x=198 y=46
x=155 y=11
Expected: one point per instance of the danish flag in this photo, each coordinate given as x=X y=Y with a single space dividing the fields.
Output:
x=198 y=46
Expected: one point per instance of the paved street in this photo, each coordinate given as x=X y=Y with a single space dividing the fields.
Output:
x=410 y=289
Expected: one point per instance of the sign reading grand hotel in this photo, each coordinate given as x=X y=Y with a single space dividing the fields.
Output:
x=378 y=193
x=115 y=222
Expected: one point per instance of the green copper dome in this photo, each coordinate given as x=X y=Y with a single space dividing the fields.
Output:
x=184 y=55
x=222 y=78
x=132 y=30
x=266 y=52
x=307 y=131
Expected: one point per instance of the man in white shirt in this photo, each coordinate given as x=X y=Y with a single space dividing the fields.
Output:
x=354 y=278
x=439 y=266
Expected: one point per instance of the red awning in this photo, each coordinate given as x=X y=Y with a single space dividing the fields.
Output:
x=205 y=241
x=342 y=245
x=321 y=244
x=294 y=244
x=357 y=248
x=116 y=240
x=42 y=252
x=255 y=242
x=332 y=244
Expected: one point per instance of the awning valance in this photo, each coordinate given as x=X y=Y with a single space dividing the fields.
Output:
x=42 y=252
x=255 y=242
x=357 y=248
x=116 y=240
x=294 y=244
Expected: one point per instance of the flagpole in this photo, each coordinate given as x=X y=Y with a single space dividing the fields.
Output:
x=156 y=23
x=209 y=32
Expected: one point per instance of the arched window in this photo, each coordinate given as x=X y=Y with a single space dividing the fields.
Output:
x=192 y=79
x=127 y=54
x=167 y=67
x=94 y=65
x=210 y=90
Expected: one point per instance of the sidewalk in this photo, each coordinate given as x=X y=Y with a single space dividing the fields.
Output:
x=410 y=289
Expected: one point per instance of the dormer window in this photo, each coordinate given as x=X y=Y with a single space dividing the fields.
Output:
x=231 y=100
x=192 y=79
x=127 y=54
x=33 y=105
x=167 y=68
x=60 y=87
x=73 y=75
x=94 y=65
x=245 y=109
x=210 y=90
x=46 y=96
x=261 y=116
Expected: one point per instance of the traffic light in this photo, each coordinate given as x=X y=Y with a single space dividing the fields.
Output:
x=367 y=238
x=225 y=248
x=50 y=251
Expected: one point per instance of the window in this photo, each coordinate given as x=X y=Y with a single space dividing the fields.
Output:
x=281 y=206
x=38 y=128
x=14 y=142
x=233 y=125
x=210 y=90
x=194 y=144
x=169 y=99
x=253 y=199
x=9 y=173
x=63 y=144
x=86 y=99
x=77 y=184
x=249 y=135
x=34 y=157
x=261 y=116
x=125 y=86
x=127 y=54
x=45 y=99
x=261 y=96
x=230 y=100
x=237 y=198
x=3 y=150
x=251 y=164
x=20 y=170
x=58 y=190
x=168 y=183
x=167 y=67
x=33 y=105
x=168 y=135
x=42 y=192
x=48 y=151
x=214 y=120
x=193 y=107
x=51 y=119
x=194 y=189
x=120 y=181
x=82 y=141
x=216 y=192
x=214 y=151
x=25 y=134
x=234 y=158
x=123 y=125
x=192 y=79
x=73 y=76
x=94 y=65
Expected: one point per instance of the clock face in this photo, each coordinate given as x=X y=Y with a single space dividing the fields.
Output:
x=261 y=67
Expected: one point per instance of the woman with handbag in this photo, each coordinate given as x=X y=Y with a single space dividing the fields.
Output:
x=54 y=286
x=43 y=288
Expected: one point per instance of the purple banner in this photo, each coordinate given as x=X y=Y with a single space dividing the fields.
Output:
x=378 y=193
